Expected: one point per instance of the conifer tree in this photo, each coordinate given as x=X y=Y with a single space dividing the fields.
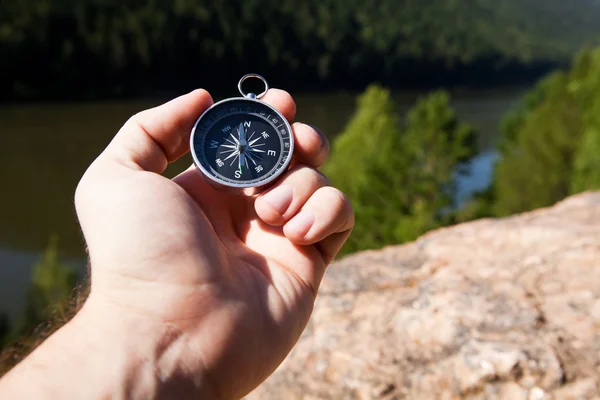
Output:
x=550 y=147
x=400 y=180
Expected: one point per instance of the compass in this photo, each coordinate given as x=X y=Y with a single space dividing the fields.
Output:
x=242 y=143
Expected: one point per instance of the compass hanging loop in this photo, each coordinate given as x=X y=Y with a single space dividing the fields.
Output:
x=252 y=95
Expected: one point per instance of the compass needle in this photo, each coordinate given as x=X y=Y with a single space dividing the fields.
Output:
x=242 y=162
x=242 y=134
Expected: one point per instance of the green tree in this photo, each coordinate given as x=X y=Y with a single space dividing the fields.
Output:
x=365 y=149
x=50 y=289
x=536 y=157
x=436 y=145
x=401 y=180
x=550 y=146
x=586 y=169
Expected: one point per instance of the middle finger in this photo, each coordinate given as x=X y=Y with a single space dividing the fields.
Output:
x=281 y=202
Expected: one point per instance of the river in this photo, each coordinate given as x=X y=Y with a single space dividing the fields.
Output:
x=45 y=148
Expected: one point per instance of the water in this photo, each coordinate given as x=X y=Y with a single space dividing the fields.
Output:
x=45 y=148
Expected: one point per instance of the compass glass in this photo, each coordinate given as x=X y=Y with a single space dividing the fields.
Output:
x=242 y=143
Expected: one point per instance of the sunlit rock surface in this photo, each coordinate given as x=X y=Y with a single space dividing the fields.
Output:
x=506 y=309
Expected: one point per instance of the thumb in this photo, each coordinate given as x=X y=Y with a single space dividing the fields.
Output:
x=153 y=138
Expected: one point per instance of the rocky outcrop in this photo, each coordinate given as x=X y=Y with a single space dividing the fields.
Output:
x=493 y=309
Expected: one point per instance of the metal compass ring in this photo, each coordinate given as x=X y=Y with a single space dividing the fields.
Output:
x=248 y=76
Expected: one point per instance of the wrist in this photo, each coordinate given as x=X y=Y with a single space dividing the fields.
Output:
x=150 y=359
x=105 y=352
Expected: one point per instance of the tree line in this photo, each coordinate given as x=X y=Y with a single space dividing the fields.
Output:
x=98 y=48
x=550 y=146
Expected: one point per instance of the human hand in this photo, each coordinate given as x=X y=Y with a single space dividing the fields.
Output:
x=222 y=286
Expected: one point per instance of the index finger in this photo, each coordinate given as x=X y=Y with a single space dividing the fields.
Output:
x=282 y=101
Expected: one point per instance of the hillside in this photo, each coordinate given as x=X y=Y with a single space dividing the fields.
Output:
x=494 y=309
x=98 y=48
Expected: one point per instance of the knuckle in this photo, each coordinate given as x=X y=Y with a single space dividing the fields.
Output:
x=309 y=176
x=284 y=96
x=343 y=203
x=338 y=194
x=322 y=147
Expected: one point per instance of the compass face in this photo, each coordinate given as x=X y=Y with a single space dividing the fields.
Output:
x=242 y=143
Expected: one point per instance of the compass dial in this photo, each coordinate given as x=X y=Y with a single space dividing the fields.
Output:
x=242 y=143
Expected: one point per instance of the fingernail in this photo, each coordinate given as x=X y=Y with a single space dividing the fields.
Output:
x=280 y=198
x=302 y=222
x=321 y=135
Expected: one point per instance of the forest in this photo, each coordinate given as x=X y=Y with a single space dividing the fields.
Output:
x=108 y=48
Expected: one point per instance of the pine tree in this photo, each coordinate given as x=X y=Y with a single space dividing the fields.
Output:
x=586 y=168
x=436 y=144
x=368 y=166
x=400 y=180
x=536 y=161
x=551 y=145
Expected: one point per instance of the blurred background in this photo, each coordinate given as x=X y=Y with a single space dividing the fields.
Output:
x=439 y=111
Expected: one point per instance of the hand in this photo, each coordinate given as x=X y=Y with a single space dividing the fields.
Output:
x=224 y=285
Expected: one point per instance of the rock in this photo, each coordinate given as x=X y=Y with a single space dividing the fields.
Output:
x=493 y=309
x=595 y=311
